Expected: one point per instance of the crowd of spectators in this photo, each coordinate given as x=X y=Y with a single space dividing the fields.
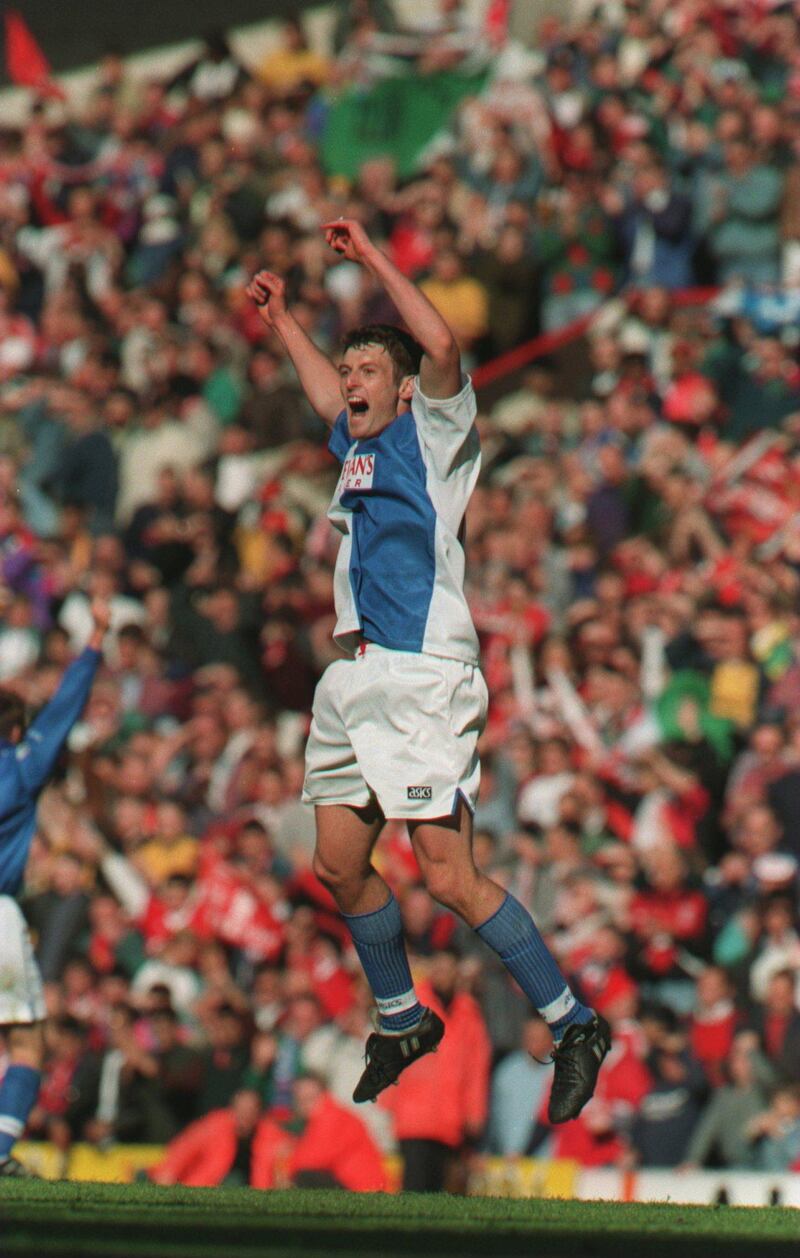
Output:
x=633 y=569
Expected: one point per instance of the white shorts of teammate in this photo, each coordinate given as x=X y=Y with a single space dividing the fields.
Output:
x=400 y=726
x=21 y=994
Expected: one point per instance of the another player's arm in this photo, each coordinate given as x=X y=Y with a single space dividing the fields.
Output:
x=39 y=749
x=318 y=376
x=440 y=370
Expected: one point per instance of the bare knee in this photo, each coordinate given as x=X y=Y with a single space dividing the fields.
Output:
x=448 y=883
x=26 y=1045
x=329 y=874
x=344 y=881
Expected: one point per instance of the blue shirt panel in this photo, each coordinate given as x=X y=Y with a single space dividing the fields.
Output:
x=25 y=768
x=393 y=532
x=340 y=440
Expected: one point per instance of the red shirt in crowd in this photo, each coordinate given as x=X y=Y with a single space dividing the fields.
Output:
x=711 y=1033
x=666 y=919
x=337 y=1141
x=203 y=1154
x=445 y=1096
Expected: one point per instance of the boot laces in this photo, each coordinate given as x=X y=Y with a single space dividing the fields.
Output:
x=566 y=1063
x=378 y=1071
x=559 y=1055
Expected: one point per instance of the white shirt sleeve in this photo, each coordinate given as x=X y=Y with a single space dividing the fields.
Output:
x=446 y=427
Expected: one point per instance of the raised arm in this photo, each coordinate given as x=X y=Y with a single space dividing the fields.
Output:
x=440 y=370
x=39 y=749
x=318 y=376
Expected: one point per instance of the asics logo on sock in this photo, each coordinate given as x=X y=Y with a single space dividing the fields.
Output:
x=396 y=1004
x=419 y=792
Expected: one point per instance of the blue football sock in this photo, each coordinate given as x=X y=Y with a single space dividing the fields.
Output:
x=512 y=934
x=18 y=1093
x=378 y=939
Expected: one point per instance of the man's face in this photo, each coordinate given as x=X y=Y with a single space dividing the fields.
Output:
x=303 y=1018
x=780 y=996
x=246 y=1108
x=226 y=1031
x=372 y=394
x=165 y=1033
x=443 y=973
x=307 y=1093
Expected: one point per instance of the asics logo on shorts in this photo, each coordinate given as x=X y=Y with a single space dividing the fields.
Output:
x=357 y=473
x=419 y=792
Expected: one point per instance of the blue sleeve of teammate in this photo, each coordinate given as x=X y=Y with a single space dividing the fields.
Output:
x=47 y=733
x=340 y=440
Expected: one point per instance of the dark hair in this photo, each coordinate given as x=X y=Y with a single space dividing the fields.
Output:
x=216 y=44
x=165 y=1014
x=115 y=973
x=230 y=1011
x=311 y=1076
x=77 y=958
x=126 y=1012
x=12 y=713
x=132 y=633
x=72 y=1026
x=662 y=1015
x=255 y=825
x=179 y=880
x=401 y=347
x=787 y=976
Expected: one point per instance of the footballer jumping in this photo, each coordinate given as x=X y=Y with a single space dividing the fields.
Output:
x=396 y=724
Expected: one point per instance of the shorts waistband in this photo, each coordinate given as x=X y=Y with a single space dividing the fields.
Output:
x=365 y=645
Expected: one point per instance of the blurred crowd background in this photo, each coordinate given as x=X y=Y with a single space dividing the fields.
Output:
x=634 y=568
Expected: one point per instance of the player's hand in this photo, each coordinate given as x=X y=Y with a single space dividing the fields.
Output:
x=268 y=291
x=612 y=201
x=97 y=1130
x=88 y=844
x=101 y=617
x=349 y=238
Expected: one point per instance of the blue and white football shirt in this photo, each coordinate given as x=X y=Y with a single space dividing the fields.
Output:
x=25 y=768
x=399 y=505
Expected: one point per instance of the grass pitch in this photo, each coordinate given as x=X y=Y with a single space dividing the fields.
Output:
x=144 y=1221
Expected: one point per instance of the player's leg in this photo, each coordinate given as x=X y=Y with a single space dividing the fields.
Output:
x=19 y=1090
x=22 y=1011
x=343 y=856
x=443 y=848
x=343 y=863
x=444 y=851
x=349 y=820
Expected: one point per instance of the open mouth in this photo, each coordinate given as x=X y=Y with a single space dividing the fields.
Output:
x=358 y=406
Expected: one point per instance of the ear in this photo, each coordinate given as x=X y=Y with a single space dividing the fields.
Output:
x=406 y=389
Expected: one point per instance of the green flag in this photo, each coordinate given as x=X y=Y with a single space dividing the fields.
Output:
x=395 y=118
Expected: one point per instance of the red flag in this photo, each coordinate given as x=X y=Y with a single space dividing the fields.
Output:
x=26 y=64
x=496 y=22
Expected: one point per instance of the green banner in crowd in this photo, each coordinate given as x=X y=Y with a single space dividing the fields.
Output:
x=397 y=117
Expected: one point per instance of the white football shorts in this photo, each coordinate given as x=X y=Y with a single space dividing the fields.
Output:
x=400 y=726
x=21 y=994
